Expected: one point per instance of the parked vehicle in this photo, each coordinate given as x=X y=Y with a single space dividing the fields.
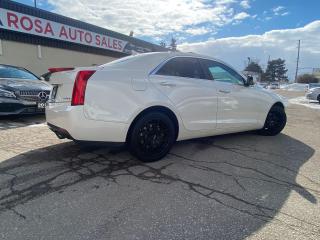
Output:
x=313 y=85
x=274 y=86
x=263 y=85
x=21 y=92
x=314 y=94
x=151 y=100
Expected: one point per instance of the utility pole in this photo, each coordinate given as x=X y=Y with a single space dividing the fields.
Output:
x=35 y=3
x=298 y=57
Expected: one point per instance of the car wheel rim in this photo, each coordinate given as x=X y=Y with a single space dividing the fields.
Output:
x=274 y=121
x=153 y=136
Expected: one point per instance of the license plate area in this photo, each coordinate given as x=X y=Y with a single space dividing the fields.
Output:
x=41 y=105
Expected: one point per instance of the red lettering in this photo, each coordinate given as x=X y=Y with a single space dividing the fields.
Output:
x=88 y=37
x=48 y=29
x=63 y=32
x=12 y=19
x=98 y=40
x=81 y=34
x=120 y=45
x=104 y=42
x=26 y=23
x=38 y=27
x=74 y=37
x=109 y=45
x=114 y=44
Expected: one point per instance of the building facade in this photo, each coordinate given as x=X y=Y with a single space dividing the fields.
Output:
x=38 y=39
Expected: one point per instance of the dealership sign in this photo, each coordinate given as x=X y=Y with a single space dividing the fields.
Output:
x=20 y=22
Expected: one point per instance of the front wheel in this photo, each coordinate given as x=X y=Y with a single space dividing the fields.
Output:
x=275 y=121
x=152 y=136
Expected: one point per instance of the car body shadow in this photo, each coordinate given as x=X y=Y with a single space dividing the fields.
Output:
x=241 y=182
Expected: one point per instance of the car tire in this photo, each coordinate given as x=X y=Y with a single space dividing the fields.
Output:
x=275 y=122
x=152 y=136
x=318 y=98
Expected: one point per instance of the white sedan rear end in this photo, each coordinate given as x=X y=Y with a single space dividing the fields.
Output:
x=151 y=100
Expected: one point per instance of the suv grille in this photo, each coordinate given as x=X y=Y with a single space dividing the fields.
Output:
x=32 y=95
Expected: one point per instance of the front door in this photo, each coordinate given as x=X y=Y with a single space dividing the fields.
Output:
x=237 y=106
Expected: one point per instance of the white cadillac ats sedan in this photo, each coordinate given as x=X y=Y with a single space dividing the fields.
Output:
x=149 y=101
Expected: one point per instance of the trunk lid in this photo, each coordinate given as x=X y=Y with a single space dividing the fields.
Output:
x=63 y=82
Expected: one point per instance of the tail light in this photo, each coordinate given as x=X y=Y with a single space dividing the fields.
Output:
x=79 y=88
x=53 y=70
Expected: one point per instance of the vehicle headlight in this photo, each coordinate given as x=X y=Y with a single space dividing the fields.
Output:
x=7 y=94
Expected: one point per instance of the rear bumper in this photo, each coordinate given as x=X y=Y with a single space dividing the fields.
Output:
x=69 y=122
x=62 y=133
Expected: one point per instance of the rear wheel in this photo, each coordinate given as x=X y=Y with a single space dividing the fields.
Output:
x=275 y=122
x=152 y=136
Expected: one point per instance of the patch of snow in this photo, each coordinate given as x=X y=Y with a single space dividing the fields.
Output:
x=37 y=125
x=296 y=87
x=305 y=102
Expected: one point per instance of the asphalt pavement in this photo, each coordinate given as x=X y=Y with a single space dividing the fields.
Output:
x=239 y=186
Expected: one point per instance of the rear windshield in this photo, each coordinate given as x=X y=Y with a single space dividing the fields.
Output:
x=14 y=72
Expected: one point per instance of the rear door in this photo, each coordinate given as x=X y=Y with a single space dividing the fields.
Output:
x=183 y=81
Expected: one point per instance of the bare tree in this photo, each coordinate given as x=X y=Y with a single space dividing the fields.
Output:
x=173 y=44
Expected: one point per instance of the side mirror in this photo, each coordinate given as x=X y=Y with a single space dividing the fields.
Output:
x=249 y=81
x=42 y=79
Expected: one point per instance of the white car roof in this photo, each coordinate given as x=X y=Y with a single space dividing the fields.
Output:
x=147 y=62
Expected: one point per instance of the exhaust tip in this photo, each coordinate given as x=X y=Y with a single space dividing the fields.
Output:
x=60 y=132
x=60 y=136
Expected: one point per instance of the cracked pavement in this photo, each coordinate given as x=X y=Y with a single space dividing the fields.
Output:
x=239 y=186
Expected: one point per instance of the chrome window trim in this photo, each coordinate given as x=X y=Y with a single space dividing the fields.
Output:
x=156 y=69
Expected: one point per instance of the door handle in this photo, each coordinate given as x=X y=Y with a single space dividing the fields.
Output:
x=167 y=84
x=224 y=91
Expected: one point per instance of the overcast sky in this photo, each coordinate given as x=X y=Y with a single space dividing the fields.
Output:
x=231 y=30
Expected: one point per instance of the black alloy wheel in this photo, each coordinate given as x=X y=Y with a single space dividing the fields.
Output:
x=275 y=121
x=152 y=136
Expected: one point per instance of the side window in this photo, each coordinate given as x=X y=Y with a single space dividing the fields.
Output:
x=220 y=72
x=182 y=67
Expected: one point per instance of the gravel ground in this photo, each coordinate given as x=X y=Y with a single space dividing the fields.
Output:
x=239 y=186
